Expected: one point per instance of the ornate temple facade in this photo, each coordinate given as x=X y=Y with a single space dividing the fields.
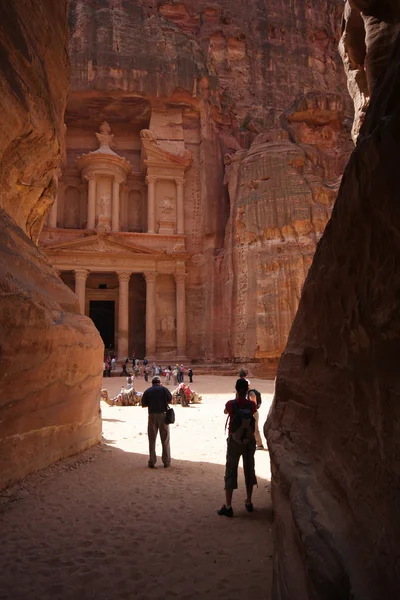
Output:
x=116 y=235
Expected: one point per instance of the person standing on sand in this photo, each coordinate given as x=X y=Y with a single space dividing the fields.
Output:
x=241 y=442
x=190 y=373
x=156 y=399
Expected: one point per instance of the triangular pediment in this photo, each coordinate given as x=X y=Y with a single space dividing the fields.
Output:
x=98 y=243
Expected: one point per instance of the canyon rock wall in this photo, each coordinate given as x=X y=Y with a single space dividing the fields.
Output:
x=50 y=356
x=365 y=46
x=253 y=78
x=333 y=430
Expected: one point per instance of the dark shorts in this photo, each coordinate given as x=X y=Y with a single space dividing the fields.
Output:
x=233 y=453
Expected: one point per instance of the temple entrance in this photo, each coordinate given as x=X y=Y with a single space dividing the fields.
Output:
x=102 y=313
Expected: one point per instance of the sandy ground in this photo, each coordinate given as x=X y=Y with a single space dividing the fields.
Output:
x=103 y=525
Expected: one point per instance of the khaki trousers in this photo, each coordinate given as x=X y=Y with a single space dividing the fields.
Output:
x=157 y=424
x=257 y=433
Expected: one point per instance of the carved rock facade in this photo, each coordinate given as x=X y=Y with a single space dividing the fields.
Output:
x=50 y=356
x=333 y=431
x=260 y=104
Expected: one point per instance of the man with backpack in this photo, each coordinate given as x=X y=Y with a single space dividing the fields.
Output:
x=241 y=443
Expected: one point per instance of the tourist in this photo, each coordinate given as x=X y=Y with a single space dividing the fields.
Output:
x=184 y=393
x=153 y=369
x=129 y=382
x=145 y=362
x=190 y=373
x=156 y=399
x=124 y=372
x=178 y=370
x=167 y=375
x=107 y=367
x=113 y=364
x=252 y=395
x=157 y=370
x=243 y=375
x=241 y=442
x=182 y=373
x=175 y=376
x=146 y=372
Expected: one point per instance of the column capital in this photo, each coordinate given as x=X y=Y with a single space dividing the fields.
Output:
x=123 y=275
x=151 y=179
x=180 y=181
x=150 y=277
x=179 y=277
x=89 y=176
x=81 y=274
x=118 y=179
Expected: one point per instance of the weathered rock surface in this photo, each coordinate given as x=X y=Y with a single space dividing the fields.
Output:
x=333 y=430
x=254 y=78
x=365 y=46
x=50 y=356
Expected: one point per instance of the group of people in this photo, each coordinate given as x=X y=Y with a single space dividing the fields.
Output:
x=142 y=368
x=243 y=434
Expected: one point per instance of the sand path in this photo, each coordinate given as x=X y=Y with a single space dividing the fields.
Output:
x=104 y=526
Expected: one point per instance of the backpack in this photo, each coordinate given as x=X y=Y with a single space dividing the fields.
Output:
x=243 y=423
x=258 y=397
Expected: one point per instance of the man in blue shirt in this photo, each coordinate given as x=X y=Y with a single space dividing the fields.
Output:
x=156 y=399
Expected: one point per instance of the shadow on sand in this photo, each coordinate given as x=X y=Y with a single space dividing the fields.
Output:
x=105 y=526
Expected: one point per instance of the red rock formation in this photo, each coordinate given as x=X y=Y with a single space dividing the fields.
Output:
x=50 y=357
x=249 y=76
x=333 y=428
x=365 y=47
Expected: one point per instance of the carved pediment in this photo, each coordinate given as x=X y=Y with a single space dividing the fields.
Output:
x=154 y=155
x=100 y=242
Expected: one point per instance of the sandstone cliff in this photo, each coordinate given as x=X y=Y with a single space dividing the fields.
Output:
x=50 y=359
x=333 y=428
x=248 y=76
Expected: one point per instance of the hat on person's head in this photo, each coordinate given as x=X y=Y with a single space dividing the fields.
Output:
x=156 y=380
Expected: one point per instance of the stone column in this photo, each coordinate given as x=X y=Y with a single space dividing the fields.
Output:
x=180 y=216
x=80 y=287
x=115 y=204
x=180 y=315
x=151 y=204
x=150 y=315
x=53 y=214
x=123 y=314
x=91 y=212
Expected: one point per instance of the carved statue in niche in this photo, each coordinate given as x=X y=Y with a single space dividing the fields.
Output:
x=166 y=206
x=103 y=213
x=103 y=205
x=71 y=208
x=166 y=326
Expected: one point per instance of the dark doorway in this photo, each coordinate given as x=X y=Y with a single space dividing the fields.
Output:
x=102 y=313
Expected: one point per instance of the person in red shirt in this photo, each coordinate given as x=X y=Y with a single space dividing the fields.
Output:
x=241 y=442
